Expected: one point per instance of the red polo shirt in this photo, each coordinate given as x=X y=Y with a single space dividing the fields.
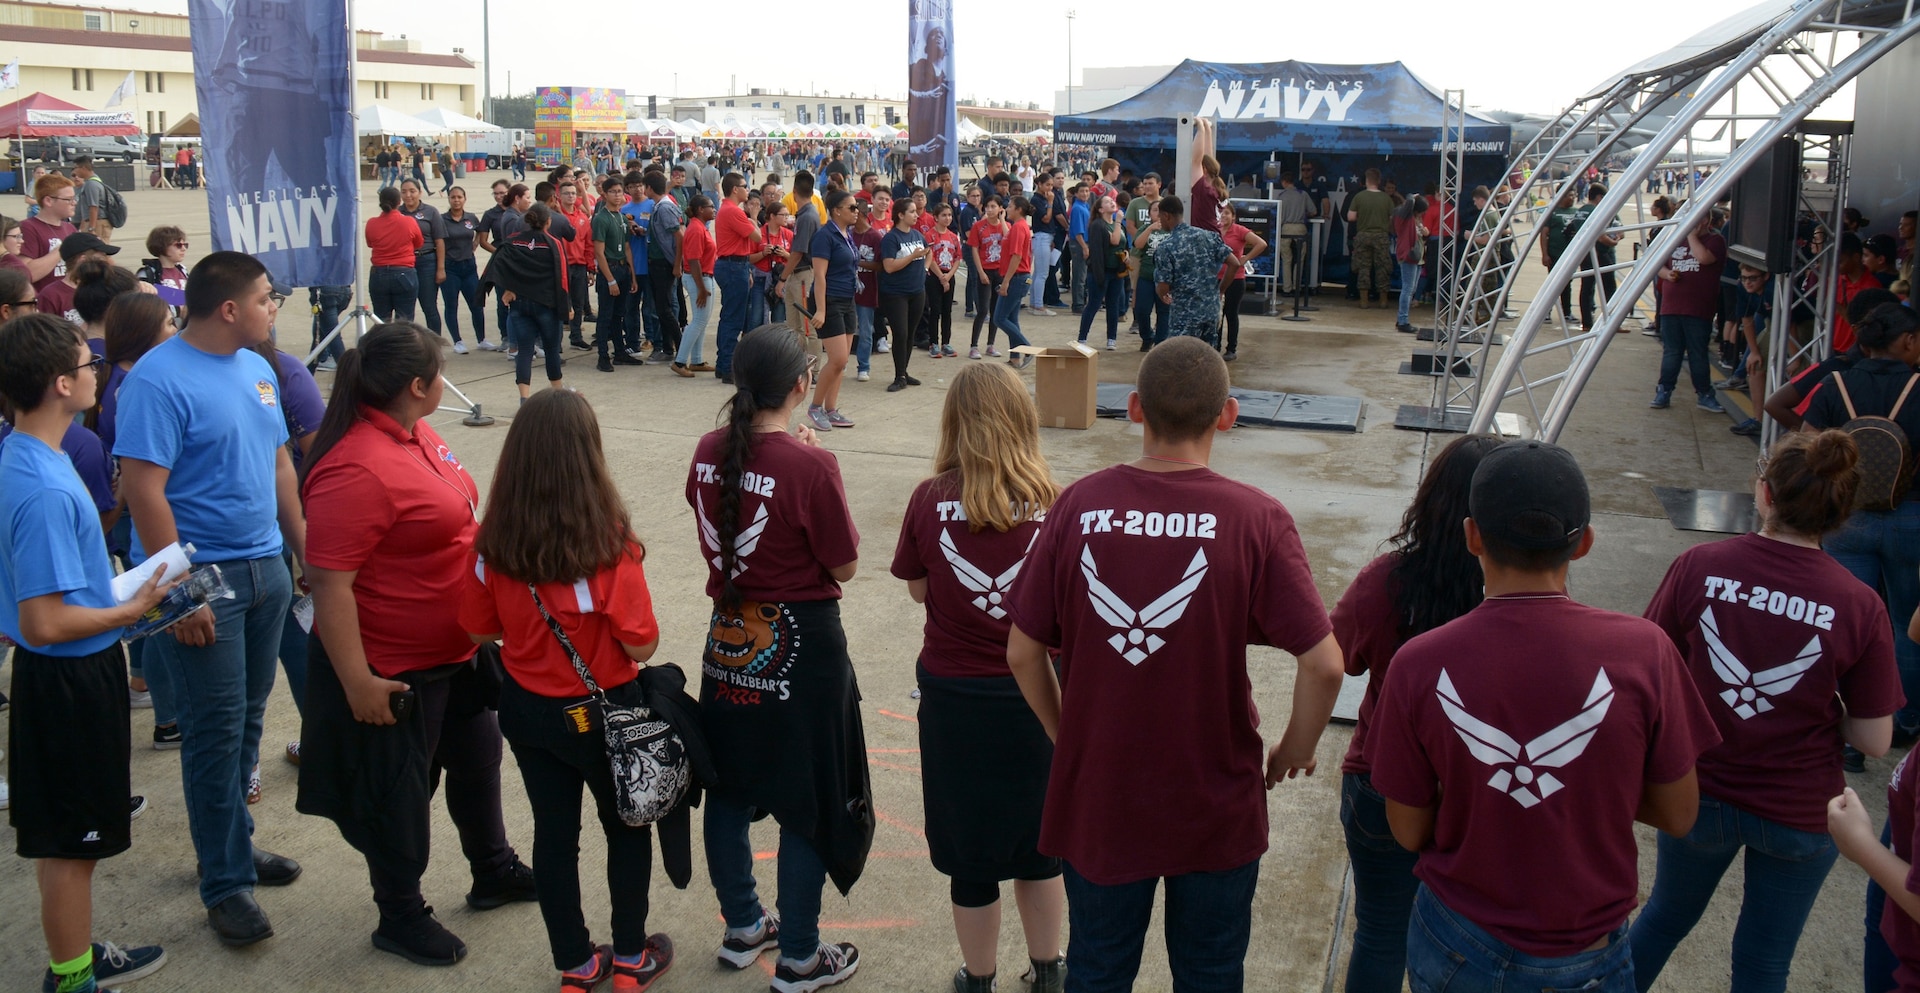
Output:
x=733 y=232
x=579 y=251
x=398 y=510
x=394 y=237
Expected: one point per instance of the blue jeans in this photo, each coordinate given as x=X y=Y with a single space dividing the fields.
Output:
x=1006 y=309
x=736 y=286
x=1383 y=889
x=757 y=286
x=1148 y=310
x=463 y=283
x=393 y=291
x=1209 y=920
x=1446 y=953
x=1878 y=961
x=1042 y=255
x=863 y=337
x=293 y=649
x=1099 y=289
x=221 y=691
x=1882 y=549
x=535 y=324
x=730 y=867
x=641 y=317
x=694 y=337
x=429 y=293
x=610 y=324
x=327 y=303
x=1784 y=871
x=1680 y=335
x=1409 y=285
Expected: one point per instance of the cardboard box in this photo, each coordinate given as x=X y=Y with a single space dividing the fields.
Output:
x=1065 y=382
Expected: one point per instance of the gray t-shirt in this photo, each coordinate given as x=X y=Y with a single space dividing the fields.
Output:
x=805 y=227
x=432 y=226
x=661 y=228
x=91 y=194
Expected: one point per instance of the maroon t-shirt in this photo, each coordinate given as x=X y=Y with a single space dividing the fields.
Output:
x=1366 y=623
x=40 y=239
x=1901 y=931
x=1533 y=725
x=56 y=298
x=867 y=246
x=1152 y=585
x=1203 y=208
x=794 y=521
x=969 y=576
x=1778 y=637
x=1697 y=292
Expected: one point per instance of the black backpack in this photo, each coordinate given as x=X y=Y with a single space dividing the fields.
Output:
x=113 y=206
x=1886 y=454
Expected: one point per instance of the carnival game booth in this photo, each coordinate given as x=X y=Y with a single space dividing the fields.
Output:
x=1344 y=118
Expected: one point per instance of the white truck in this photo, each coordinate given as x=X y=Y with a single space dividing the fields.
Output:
x=498 y=145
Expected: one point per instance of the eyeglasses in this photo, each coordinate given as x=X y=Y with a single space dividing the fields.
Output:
x=26 y=305
x=62 y=199
x=96 y=363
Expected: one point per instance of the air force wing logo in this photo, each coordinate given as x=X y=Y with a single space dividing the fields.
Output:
x=743 y=543
x=1133 y=642
x=1747 y=691
x=1514 y=765
x=992 y=590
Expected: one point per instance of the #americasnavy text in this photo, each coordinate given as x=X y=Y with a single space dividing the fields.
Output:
x=1279 y=99
x=276 y=220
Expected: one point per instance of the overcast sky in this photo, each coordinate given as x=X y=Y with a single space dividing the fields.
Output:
x=1515 y=57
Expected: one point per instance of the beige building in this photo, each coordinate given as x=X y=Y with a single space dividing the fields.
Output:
x=81 y=55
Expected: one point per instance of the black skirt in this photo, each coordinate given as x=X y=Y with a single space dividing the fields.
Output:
x=984 y=760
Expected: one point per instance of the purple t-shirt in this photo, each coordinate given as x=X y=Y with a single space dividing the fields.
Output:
x=304 y=405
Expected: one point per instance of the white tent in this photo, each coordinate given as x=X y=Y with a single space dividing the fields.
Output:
x=970 y=131
x=453 y=120
x=375 y=119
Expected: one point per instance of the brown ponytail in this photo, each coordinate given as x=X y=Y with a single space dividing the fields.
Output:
x=1811 y=478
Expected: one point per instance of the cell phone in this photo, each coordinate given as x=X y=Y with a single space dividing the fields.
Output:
x=401 y=703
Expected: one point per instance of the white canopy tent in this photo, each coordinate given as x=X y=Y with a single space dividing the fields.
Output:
x=375 y=119
x=453 y=120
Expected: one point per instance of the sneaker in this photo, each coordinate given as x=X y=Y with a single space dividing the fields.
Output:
x=590 y=975
x=831 y=966
x=654 y=962
x=973 y=353
x=818 y=416
x=604 y=365
x=1112 y=344
x=1852 y=759
x=682 y=371
x=1046 y=977
x=1708 y=403
x=113 y=964
x=967 y=982
x=1737 y=384
x=581 y=344
x=947 y=351
x=882 y=347
x=634 y=354
x=1230 y=355
x=515 y=885
x=459 y=348
x=1749 y=428
x=136 y=805
x=487 y=346
x=1046 y=312
x=6 y=794
x=839 y=420
x=897 y=385
x=741 y=947
x=422 y=940
x=325 y=365
x=700 y=367
x=933 y=351
x=862 y=376
x=627 y=358
x=992 y=352
x=1662 y=396
x=253 y=786
x=293 y=752
x=166 y=737
x=539 y=352
x=139 y=700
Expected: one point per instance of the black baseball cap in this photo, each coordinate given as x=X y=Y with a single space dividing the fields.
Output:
x=1530 y=495
x=74 y=244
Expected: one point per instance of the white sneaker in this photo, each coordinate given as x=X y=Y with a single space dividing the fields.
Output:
x=459 y=348
x=883 y=346
x=488 y=346
x=325 y=365
x=6 y=796
x=863 y=376
x=139 y=700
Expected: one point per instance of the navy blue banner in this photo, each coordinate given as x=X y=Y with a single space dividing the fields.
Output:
x=276 y=118
x=933 y=112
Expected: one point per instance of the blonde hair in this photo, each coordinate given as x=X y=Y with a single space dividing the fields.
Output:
x=990 y=434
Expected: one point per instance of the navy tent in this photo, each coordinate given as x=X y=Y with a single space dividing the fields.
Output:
x=1286 y=107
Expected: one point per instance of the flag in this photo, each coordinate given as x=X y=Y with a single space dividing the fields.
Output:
x=932 y=111
x=10 y=76
x=121 y=94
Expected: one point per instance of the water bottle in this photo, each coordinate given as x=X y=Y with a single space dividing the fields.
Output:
x=202 y=586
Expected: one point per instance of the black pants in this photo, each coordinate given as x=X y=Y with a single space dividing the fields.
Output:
x=900 y=313
x=610 y=327
x=555 y=764
x=579 y=289
x=1566 y=295
x=1235 y=290
x=666 y=303
x=989 y=296
x=427 y=292
x=938 y=316
x=1587 y=305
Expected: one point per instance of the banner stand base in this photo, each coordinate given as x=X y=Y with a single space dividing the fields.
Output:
x=362 y=321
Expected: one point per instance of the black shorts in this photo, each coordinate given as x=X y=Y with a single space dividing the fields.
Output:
x=70 y=742
x=839 y=318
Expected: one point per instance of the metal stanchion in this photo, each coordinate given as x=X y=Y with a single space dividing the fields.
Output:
x=1299 y=253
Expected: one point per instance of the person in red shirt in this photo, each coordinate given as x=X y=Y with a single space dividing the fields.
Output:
x=777 y=691
x=1426 y=580
x=736 y=238
x=1793 y=655
x=1245 y=246
x=393 y=687
x=697 y=257
x=42 y=234
x=555 y=524
x=1523 y=740
x=578 y=248
x=1209 y=190
x=943 y=247
x=1851 y=279
x=1017 y=253
x=986 y=248
x=767 y=302
x=393 y=238
x=1151 y=579
x=984 y=758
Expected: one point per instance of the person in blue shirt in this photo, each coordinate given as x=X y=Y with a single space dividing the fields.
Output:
x=640 y=312
x=203 y=459
x=72 y=802
x=1077 y=217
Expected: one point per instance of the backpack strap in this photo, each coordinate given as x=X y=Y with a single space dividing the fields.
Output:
x=1840 y=380
x=1894 y=414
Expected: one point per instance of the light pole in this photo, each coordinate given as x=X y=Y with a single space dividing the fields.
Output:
x=1070 y=13
x=486 y=60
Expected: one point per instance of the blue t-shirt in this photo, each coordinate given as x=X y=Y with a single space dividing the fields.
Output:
x=909 y=280
x=214 y=422
x=640 y=211
x=1077 y=226
x=832 y=246
x=50 y=542
x=89 y=459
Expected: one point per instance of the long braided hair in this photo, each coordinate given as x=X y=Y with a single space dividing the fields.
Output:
x=765 y=368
